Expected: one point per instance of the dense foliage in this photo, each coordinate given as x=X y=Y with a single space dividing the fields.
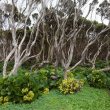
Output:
x=88 y=99
x=29 y=85
x=70 y=85
x=49 y=76
x=22 y=88
x=97 y=79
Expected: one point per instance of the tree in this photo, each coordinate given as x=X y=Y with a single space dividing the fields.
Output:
x=54 y=37
x=20 y=54
x=68 y=31
x=104 y=10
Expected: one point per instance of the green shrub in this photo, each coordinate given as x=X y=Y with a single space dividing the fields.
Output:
x=70 y=85
x=49 y=77
x=19 y=89
x=97 y=79
x=82 y=73
x=26 y=86
x=41 y=78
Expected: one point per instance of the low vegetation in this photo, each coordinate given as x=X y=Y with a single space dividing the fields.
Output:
x=30 y=87
x=88 y=98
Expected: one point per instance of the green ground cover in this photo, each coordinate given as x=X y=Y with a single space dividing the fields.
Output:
x=87 y=99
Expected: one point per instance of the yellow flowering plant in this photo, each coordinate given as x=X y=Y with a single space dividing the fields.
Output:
x=46 y=91
x=18 y=89
x=4 y=99
x=25 y=90
x=29 y=96
x=70 y=85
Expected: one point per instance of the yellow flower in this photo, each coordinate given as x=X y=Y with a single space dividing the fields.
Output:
x=46 y=91
x=70 y=85
x=71 y=92
x=77 y=85
x=31 y=94
x=6 y=99
x=27 y=98
x=26 y=74
x=24 y=90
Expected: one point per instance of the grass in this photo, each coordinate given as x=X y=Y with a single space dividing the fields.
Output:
x=87 y=99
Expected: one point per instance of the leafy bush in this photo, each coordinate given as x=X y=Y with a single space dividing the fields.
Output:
x=26 y=86
x=49 y=77
x=97 y=79
x=19 y=89
x=93 y=77
x=70 y=85
x=82 y=73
